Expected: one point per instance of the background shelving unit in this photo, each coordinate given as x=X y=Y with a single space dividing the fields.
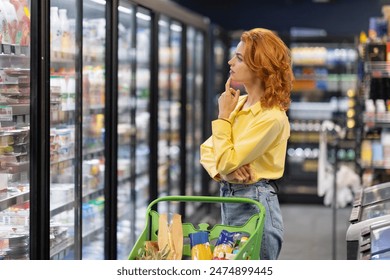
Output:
x=15 y=107
x=324 y=89
x=374 y=153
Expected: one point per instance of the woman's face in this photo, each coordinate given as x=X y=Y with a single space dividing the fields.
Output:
x=239 y=71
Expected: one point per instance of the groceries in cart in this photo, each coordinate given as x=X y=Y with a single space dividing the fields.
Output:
x=172 y=239
x=228 y=245
x=170 y=243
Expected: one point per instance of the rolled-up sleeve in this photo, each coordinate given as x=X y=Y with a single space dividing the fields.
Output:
x=207 y=159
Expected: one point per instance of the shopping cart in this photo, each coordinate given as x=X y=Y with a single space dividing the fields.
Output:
x=253 y=227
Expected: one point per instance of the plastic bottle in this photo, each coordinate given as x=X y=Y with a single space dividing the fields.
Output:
x=366 y=153
x=4 y=32
x=55 y=30
x=71 y=89
x=12 y=20
x=23 y=16
x=362 y=37
x=385 y=140
x=64 y=94
x=241 y=244
x=65 y=38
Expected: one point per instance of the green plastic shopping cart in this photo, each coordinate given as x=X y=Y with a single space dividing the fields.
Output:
x=253 y=227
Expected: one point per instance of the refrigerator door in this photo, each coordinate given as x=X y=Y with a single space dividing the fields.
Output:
x=140 y=117
x=170 y=36
x=133 y=123
x=93 y=114
x=126 y=129
x=62 y=128
x=14 y=130
x=195 y=82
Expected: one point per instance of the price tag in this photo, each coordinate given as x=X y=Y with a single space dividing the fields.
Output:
x=3 y=181
x=6 y=113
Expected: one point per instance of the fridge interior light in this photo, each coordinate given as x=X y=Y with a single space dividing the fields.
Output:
x=175 y=27
x=101 y=2
x=124 y=10
x=142 y=16
x=162 y=23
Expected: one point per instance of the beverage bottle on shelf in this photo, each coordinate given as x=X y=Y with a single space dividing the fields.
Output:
x=65 y=39
x=12 y=20
x=385 y=140
x=23 y=16
x=55 y=30
x=5 y=38
x=64 y=94
x=71 y=89
x=366 y=153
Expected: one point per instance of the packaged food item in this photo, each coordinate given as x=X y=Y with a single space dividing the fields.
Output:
x=240 y=244
x=225 y=244
x=170 y=236
x=200 y=246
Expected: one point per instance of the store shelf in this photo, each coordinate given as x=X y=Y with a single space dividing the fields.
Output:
x=374 y=157
x=324 y=73
x=377 y=69
x=9 y=199
x=20 y=109
x=58 y=209
x=15 y=98
x=61 y=249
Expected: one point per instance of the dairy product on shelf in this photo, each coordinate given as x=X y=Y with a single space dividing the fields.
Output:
x=65 y=38
x=55 y=30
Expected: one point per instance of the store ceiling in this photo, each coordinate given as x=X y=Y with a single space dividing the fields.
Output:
x=336 y=17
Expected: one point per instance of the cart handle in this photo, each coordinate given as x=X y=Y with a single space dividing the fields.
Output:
x=209 y=199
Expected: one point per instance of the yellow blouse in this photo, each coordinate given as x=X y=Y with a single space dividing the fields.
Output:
x=253 y=135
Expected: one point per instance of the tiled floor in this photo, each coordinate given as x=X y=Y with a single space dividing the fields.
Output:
x=309 y=232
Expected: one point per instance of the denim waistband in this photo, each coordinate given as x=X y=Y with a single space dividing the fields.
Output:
x=269 y=182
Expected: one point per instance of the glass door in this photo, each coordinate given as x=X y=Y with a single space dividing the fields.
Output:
x=62 y=128
x=93 y=107
x=134 y=45
x=77 y=130
x=140 y=117
x=14 y=130
x=195 y=52
x=169 y=172
x=125 y=128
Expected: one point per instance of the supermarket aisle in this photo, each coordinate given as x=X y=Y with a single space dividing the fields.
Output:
x=308 y=232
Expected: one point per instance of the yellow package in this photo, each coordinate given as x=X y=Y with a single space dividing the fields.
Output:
x=200 y=246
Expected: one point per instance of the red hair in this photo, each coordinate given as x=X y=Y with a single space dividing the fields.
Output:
x=269 y=57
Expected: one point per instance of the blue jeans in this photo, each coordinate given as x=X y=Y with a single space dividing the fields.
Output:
x=236 y=214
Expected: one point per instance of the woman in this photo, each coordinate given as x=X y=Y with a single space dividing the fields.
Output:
x=247 y=148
